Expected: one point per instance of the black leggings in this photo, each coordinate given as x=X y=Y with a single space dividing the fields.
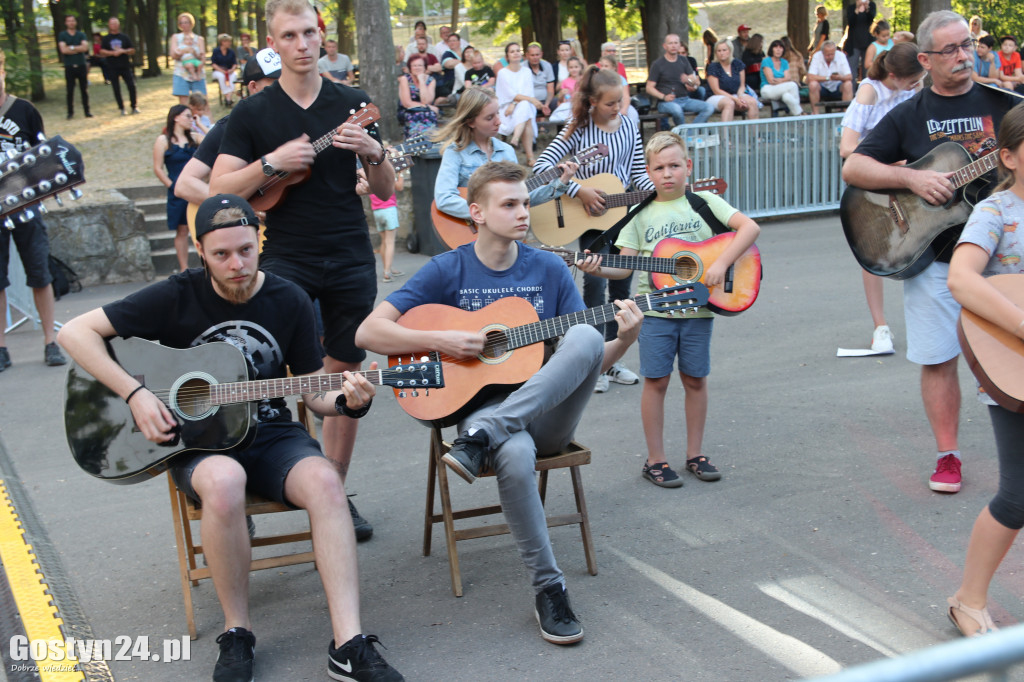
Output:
x=1007 y=507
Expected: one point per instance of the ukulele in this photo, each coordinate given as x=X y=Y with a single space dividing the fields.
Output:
x=513 y=351
x=272 y=191
x=564 y=219
x=458 y=231
x=207 y=390
x=898 y=234
x=677 y=261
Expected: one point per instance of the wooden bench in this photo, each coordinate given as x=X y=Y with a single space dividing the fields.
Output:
x=655 y=118
x=831 y=107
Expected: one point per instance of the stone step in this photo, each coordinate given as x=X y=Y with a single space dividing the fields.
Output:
x=152 y=191
x=165 y=261
x=149 y=206
x=156 y=224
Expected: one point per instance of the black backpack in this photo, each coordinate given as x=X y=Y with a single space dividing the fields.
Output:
x=65 y=280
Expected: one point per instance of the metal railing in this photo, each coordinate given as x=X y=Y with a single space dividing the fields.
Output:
x=993 y=654
x=773 y=166
x=21 y=307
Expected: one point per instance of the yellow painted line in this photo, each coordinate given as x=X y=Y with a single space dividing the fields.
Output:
x=28 y=586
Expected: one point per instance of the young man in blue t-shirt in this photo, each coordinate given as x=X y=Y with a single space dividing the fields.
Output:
x=510 y=430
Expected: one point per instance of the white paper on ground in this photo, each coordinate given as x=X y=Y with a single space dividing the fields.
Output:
x=860 y=352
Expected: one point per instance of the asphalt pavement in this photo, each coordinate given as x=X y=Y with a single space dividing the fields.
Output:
x=821 y=548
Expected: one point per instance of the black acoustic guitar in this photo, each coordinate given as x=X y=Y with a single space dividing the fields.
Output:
x=214 y=406
x=898 y=234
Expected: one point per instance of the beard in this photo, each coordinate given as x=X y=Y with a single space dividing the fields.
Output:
x=236 y=293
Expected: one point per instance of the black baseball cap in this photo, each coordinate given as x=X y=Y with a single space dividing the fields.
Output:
x=210 y=207
x=266 y=64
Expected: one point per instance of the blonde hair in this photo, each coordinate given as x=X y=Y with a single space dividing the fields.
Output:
x=661 y=141
x=274 y=7
x=190 y=18
x=457 y=130
x=197 y=99
x=478 y=188
x=224 y=36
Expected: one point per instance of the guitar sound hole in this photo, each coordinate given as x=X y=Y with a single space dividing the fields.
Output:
x=495 y=346
x=193 y=398
x=687 y=268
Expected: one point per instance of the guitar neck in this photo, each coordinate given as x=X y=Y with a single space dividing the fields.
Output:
x=974 y=170
x=668 y=266
x=246 y=391
x=626 y=198
x=535 y=332
x=542 y=178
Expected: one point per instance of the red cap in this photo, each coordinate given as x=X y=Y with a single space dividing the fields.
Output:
x=743 y=27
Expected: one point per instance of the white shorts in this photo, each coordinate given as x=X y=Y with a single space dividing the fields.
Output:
x=931 y=315
x=386 y=218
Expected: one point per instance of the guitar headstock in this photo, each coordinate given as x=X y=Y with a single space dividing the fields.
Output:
x=33 y=175
x=591 y=154
x=565 y=254
x=400 y=163
x=367 y=115
x=678 y=298
x=414 y=145
x=415 y=375
x=713 y=185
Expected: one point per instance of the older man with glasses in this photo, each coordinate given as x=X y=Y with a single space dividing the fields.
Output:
x=956 y=109
x=612 y=50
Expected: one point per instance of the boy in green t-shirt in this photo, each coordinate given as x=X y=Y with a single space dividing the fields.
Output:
x=662 y=336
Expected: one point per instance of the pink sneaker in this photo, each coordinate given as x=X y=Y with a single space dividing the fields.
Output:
x=946 y=478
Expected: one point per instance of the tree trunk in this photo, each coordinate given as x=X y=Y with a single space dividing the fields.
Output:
x=12 y=24
x=57 y=14
x=261 y=27
x=661 y=17
x=919 y=9
x=595 y=30
x=223 y=20
x=148 y=17
x=35 y=57
x=547 y=22
x=169 y=7
x=798 y=24
x=455 y=15
x=377 y=59
x=346 y=27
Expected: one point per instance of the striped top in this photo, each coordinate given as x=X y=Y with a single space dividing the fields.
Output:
x=625 y=158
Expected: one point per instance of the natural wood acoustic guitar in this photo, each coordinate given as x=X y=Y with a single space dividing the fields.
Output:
x=995 y=355
x=563 y=220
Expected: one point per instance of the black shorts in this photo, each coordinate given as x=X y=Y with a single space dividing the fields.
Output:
x=267 y=462
x=831 y=95
x=346 y=293
x=33 y=248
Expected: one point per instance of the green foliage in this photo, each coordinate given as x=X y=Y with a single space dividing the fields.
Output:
x=19 y=73
x=999 y=19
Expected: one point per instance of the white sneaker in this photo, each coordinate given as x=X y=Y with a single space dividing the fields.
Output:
x=602 y=384
x=621 y=374
x=881 y=341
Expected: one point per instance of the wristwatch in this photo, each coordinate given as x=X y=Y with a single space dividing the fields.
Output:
x=268 y=170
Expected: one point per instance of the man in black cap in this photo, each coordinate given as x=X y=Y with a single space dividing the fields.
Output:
x=230 y=299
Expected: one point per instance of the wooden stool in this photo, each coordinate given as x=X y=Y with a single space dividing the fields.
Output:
x=573 y=457
x=184 y=510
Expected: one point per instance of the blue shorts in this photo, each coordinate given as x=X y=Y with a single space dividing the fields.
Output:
x=662 y=339
x=33 y=248
x=182 y=87
x=386 y=218
x=931 y=314
x=278 y=447
x=346 y=292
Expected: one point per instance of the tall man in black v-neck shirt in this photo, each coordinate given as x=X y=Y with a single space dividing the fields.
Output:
x=317 y=236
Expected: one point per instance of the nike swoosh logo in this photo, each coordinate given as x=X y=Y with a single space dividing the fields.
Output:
x=346 y=666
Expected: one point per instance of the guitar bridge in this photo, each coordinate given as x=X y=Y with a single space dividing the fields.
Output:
x=898 y=215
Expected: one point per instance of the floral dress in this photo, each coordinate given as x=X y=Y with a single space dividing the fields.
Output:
x=416 y=121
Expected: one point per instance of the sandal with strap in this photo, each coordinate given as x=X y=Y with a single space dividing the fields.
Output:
x=700 y=467
x=661 y=474
x=979 y=616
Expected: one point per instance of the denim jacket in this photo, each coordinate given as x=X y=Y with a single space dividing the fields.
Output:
x=458 y=165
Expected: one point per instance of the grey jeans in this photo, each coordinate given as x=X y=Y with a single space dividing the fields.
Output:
x=539 y=418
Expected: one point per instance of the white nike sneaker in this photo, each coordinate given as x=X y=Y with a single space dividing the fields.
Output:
x=602 y=384
x=621 y=374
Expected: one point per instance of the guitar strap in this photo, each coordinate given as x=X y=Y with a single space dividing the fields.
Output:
x=612 y=233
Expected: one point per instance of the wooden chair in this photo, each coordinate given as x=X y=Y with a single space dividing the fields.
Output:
x=573 y=457
x=184 y=510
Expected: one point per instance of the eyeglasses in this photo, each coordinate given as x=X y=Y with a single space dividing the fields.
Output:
x=951 y=50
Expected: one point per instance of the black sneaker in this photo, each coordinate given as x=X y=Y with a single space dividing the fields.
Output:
x=558 y=624
x=469 y=454
x=53 y=356
x=5 y=358
x=237 y=656
x=357 y=660
x=364 y=531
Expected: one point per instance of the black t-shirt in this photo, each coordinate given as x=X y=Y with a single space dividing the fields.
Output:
x=447 y=77
x=113 y=41
x=859 y=24
x=321 y=218
x=274 y=330
x=210 y=146
x=667 y=76
x=21 y=125
x=927 y=119
x=481 y=76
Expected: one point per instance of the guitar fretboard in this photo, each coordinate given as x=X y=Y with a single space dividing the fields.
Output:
x=245 y=391
x=974 y=170
x=535 y=332
x=669 y=266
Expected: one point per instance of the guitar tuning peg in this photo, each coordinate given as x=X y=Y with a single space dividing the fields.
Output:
x=26 y=215
x=42 y=209
x=60 y=202
x=76 y=194
x=45 y=150
x=60 y=178
x=8 y=223
x=424 y=358
x=415 y=393
x=11 y=200
x=11 y=153
x=45 y=186
x=28 y=193
x=401 y=394
x=29 y=159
